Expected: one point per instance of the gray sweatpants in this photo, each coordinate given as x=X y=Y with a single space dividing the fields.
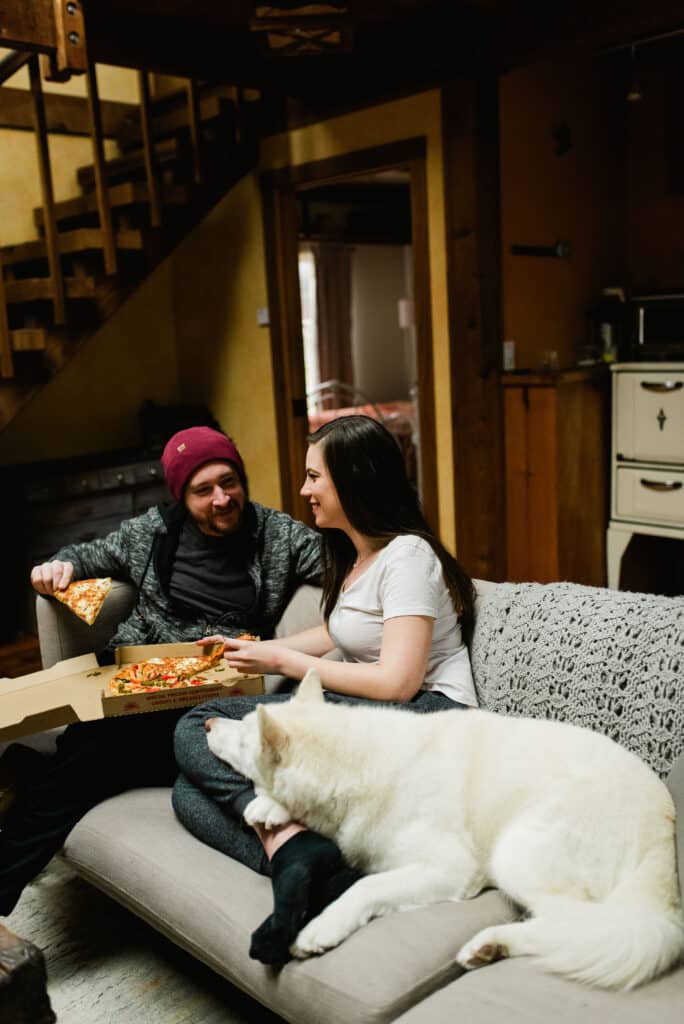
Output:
x=209 y=796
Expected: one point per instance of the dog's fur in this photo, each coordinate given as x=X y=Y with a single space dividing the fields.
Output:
x=574 y=828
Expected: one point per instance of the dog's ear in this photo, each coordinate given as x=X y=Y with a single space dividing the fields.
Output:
x=273 y=737
x=310 y=687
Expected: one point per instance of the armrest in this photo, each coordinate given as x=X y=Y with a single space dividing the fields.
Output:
x=62 y=634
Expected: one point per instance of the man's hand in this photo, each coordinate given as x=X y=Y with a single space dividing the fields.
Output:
x=51 y=576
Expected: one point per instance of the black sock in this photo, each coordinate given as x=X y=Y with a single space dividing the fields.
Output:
x=307 y=873
x=331 y=889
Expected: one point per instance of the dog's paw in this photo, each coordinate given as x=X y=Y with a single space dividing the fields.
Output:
x=325 y=932
x=483 y=948
x=262 y=810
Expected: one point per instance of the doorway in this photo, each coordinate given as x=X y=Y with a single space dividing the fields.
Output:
x=356 y=297
x=349 y=295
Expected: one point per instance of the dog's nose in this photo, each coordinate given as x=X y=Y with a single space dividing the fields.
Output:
x=208 y=724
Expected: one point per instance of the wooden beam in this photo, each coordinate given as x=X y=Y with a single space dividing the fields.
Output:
x=149 y=151
x=30 y=26
x=57 y=281
x=12 y=63
x=71 y=36
x=103 y=207
x=65 y=115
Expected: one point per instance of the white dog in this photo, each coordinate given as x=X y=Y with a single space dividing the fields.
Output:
x=572 y=827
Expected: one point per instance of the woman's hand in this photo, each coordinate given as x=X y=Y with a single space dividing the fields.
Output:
x=255 y=657
x=205 y=641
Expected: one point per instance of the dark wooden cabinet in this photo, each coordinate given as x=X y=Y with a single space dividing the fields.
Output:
x=557 y=449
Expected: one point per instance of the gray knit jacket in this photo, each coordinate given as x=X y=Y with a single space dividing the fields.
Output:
x=283 y=553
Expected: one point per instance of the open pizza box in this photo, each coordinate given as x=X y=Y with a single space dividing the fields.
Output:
x=77 y=690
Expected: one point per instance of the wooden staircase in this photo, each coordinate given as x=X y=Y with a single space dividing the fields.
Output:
x=178 y=158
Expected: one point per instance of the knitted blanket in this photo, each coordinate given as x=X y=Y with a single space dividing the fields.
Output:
x=606 y=660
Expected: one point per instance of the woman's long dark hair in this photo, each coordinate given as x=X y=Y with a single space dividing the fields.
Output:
x=367 y=468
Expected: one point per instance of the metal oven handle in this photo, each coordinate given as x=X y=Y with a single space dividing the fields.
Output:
x=662 y=385
x=661 y=485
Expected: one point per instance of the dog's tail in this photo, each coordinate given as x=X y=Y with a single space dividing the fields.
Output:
x=614 y=944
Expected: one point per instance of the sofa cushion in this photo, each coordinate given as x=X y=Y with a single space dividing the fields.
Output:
x=133 y=848
x=606 y=660
x=515 y=992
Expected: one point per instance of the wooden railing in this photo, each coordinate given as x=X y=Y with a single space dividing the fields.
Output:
x=11 y=64
x=8 y=66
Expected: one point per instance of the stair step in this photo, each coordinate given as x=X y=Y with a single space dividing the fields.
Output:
x=78 y=240
x=28 y=339
x=166 y=122
x=127 y=193
x=165 y=152
x=32 y=289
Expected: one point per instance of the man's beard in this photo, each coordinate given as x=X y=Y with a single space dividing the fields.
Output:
x=217 y=525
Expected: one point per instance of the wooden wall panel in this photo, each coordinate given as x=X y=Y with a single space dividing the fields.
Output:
x=471 y=187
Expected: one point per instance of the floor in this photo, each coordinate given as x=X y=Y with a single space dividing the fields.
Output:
x=105 y=965
x=20 y=657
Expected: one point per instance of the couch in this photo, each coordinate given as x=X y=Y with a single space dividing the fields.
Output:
x=606 y=660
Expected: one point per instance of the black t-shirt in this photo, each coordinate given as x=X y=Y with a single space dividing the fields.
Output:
x=210 y=573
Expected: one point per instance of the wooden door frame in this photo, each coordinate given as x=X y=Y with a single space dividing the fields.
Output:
x=280 y=236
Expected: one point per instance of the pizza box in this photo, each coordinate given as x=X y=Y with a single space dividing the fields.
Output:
x=225 y=682
x=74 y=691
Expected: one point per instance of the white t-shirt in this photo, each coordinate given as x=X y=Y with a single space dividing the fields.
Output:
x=405 y=579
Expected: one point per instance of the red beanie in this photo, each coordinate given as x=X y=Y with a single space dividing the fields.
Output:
x=189 y=449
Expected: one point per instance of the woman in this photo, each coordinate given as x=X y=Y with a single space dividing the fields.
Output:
x=397 y=605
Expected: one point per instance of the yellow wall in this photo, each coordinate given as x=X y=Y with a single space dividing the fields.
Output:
x=20 y=191
x=92 y=404
x=224 y=357
x=364 y=129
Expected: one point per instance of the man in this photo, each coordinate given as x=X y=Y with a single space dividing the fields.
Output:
x=213 y=562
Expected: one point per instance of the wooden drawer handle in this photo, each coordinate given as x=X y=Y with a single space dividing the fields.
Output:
x=661 y=485
x=661 y=386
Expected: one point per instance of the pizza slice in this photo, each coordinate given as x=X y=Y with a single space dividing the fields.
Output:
x=85 y=597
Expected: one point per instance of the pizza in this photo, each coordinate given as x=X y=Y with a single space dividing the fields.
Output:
x=164 y=673
x=85 y=597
